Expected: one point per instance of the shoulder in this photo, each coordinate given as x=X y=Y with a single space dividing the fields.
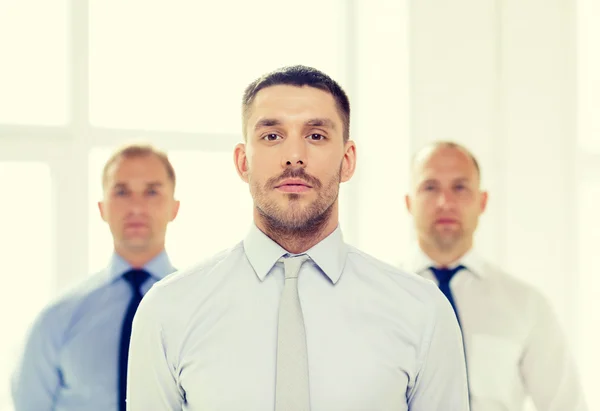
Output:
x=178 y=284
x=411 y=294
x=372 y=266
x=419 y=304
x=525 y=302
x=517 y=289
x=56 y=316
x=171 y=303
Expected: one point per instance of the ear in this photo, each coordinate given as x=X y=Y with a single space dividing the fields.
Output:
x=241 y=161
x=407 y=203
x=349 y=161
x=483 y=201
x=101 y=209
x=175 y=210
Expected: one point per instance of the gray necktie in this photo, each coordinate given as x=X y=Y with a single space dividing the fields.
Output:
x=292 y=392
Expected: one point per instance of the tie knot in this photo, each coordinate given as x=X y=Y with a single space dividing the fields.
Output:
x=292 y=265
x=136 y=278
x=444 y=275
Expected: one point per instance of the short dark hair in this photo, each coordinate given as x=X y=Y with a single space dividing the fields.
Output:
x=298 y=76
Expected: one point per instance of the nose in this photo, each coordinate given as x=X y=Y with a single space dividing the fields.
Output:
x=445 y=199
x=137 y=204
x=294 y=152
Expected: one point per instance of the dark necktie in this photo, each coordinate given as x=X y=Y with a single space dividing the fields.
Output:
x=135 y=278
x=444 y=275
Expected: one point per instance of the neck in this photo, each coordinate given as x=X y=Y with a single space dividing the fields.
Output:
x=445 y=257
x=298 y=240
x=138 y=258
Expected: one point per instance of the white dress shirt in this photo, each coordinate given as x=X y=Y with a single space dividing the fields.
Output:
x=514 y=344
x=378 y=339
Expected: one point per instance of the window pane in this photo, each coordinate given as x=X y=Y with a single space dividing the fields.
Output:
x=100 y=240
x=589 y=288
x=33 y=71
x=27 y=259
x=183 y=65
x=589 y=74
x=215 y=213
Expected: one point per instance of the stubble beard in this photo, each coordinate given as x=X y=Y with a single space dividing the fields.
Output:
x=137 y=244
x=294 y=222
x=446 y=242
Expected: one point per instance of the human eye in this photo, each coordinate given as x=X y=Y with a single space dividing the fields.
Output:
x=316 y=137
x=271 y=137
x=461 y=187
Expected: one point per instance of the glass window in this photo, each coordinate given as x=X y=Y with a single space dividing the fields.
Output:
x=588 y=68
x=588 y=104
x=33 y=71
x=27 y=259
x=183 y=65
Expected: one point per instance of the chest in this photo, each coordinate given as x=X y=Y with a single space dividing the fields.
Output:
x=88 y=361
x=358 y=359
x=495 y=327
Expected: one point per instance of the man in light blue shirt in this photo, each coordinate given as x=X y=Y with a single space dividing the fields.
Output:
x=75 y=355
x=292 y=318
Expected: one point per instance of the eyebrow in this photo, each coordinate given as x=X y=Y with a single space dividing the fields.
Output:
x=153 y=184
x=461 y=180
x=427 y=181
x=321 y=122
x=313 y=122
x=267 y=122
x=454 y=181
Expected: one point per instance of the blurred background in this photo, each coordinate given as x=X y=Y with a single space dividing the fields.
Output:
x=517 y=81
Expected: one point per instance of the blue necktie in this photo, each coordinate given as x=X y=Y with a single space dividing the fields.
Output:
x=444 y=275
x=135 y=278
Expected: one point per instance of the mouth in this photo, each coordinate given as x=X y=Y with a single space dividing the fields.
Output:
x=446 y=221
x=135 y=226
x=293 y=186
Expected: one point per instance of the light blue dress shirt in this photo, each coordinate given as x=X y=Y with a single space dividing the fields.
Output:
x=70 y=359
x=378 y=338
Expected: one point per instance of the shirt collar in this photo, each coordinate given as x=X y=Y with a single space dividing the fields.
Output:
x=419 y=262
x=262 y=252
x=159 y=267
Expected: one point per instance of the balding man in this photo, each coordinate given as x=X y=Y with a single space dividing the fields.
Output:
x=514 y=345
x=76 y=354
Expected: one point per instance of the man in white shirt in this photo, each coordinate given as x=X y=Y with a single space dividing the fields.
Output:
x=514 y=345
x=292 y=318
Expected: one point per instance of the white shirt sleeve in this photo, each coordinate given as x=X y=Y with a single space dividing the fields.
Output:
x=441 y=383
x=548 y=370
x=152 y=382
